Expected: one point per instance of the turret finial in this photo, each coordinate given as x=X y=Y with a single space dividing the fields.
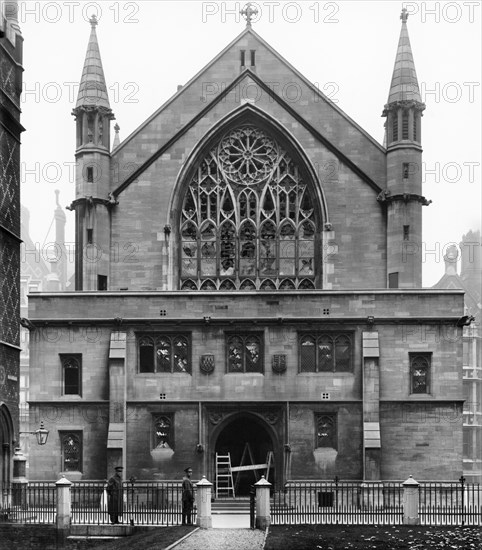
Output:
x=248 y=12
x=404 y=15
x=93 y=20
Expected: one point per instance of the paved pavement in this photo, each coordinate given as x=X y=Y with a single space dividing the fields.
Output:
x=223 y=539
x=230 y=521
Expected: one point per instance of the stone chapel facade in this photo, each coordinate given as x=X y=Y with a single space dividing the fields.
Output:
x=248 y=272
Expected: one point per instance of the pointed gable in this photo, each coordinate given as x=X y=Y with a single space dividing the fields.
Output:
x=284 y=83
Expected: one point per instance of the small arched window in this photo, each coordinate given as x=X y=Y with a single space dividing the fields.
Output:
x=420 y=372
x=71 y=373
x=71 y=445
x=325 y=431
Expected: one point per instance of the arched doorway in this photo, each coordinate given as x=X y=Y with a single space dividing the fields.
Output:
x=240 y=435
x=6 y=438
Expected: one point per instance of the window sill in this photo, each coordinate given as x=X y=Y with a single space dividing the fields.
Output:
x=244 y=373
x=147 y=374
x=70 y=396
x=343 y=374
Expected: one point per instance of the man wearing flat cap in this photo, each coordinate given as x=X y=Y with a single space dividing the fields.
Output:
x=187 y=497
x=114 y=495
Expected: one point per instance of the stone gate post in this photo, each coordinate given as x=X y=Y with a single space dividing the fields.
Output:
x=19 y=480
x=410 y=501
x=263 y=508
x=203 y=502
x=63 y=518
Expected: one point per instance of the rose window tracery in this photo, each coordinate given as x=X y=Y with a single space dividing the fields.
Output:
x=248 y=218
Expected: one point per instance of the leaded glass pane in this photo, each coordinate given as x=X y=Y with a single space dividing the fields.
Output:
x=307 y=249
x=146 y=355
x=342 y=353
x=71 y=376
x=235 y=354
x=325 y=434
x=71 y=451
x=420 y=373
x=325 y=353
x=252 y=351
x=307 y=354
x=164 y=355
x=162 y=430
x=305 y=267
x=180 y=358
x=286 y=267
x=189 y=267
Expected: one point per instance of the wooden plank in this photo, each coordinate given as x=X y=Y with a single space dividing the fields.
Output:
x=250 y=467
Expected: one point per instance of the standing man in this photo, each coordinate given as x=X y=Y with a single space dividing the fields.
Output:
x=114 y=495
x=187 y=497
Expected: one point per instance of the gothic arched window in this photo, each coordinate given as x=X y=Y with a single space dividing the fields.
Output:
x=248 y=219
x=71 y=447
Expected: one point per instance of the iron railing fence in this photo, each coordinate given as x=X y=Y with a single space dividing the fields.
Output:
x=155 y=502
x=34 y=502
x=450 y=503
x=338 y=502
x=375 y=502
x=296 y=502
x=144 y=502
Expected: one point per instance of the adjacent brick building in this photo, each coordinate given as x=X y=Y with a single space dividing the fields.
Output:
x=11 y=42
x=248 y=271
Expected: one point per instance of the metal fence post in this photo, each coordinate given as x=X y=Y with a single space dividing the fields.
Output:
x=263 y=511
x=462 y=482
x=203 y=502
x=410 y=501
x=63 y=518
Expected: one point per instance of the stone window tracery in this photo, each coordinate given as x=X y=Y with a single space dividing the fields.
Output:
x=245 y=352
x=325 y=352
x=248 y=219
x=164 y=353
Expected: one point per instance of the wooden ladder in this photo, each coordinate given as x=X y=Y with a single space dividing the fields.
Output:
x=224 y=476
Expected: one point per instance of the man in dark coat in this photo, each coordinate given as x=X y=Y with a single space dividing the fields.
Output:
x=187 y=497
x=114 y=495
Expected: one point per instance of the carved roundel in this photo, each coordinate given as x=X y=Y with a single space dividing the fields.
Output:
x=247 y=155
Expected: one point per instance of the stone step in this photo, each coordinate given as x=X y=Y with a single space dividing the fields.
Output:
x=230 y=506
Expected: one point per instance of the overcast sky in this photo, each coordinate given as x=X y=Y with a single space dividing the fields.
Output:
x=347 y=48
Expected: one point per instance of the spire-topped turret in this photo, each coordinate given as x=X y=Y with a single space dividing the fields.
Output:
x=404 y=106
x=93 y=89
x=404 y=86
x=403 y=195
x=92 y=183
x=92 y=110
